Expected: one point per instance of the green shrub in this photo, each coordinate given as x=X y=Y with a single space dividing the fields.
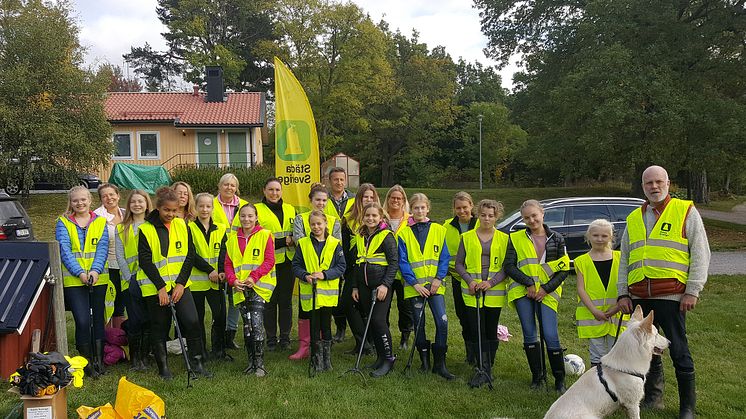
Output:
x=205 y=179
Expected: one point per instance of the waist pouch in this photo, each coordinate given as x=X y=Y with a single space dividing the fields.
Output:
x=657 y=287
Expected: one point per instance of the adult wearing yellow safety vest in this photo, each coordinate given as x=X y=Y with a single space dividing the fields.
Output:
x=319 y=259
x=537 y=263
x=302 y=228
x=138 y=328
x=366 y=194
x=479 y=262
x=84 y=248
x=423 y=262
x=597 y=313
x=250 y=269
x=463 y=221
x=378 y=262
x=340 y=205
x=396 y=208
x=278 y=217
x=208 y=275
x=165 y=253
x=663 y=267
x=225 y=211
x=109 y=209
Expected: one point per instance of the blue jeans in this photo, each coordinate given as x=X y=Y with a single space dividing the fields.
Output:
x=526 y=309
x=232 y=315
x=438 y=307
x=77 y=301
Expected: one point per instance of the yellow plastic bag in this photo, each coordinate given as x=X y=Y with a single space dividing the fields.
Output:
x=138 y=402
x=102 y=412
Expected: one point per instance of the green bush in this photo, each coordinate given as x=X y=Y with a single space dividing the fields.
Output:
x=205 y=179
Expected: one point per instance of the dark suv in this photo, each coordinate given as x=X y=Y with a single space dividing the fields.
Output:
x=15 y=224
x=571 y=217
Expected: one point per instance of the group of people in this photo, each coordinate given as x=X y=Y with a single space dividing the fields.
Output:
x=349 y=255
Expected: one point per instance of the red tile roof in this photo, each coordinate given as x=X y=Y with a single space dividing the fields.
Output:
x=186 y=109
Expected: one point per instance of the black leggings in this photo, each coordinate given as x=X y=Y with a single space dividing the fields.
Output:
x=406 y=321
x=458 y=304
x=160 y=317
x=379 y=326
x=351 y=309
x=215 y=298
x=279 y=309
x=322 y=322
x=120 y=301
x=489 y=319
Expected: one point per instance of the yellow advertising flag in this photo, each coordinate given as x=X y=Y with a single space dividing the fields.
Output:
x=296 y=142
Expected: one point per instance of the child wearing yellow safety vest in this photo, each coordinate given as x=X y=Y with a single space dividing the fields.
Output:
x=207 y=274
x=597 y=313
x=138 y=328
x=319 y=259
x=84 y=248
x=537 y=264
x=479 y=263
x=302 y=228
x=165 y=254
x=250 y=270
x=423 y=262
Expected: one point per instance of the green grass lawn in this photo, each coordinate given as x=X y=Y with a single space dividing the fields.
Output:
x=715 y=333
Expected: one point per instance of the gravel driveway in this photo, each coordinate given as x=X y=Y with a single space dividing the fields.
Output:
x=728 y=263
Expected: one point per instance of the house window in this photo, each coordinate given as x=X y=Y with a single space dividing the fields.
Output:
x=149 y=145
x=123 y=146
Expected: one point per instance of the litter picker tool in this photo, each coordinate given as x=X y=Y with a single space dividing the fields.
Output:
x=408 y=368
x=314 y=334
x=480 y=368
x=356 y=368
x=190 y=373
x=94 y=352
x=618 y=328
x=537 y=307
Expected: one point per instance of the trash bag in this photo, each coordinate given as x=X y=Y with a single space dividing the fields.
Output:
x=102 y=412
x=138 y=402
x=174 y=348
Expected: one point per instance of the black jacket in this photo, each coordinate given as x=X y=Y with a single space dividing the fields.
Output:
x=555 y=249
x=336 y=268
x=199 y=262
x=376 y=274
x=145 y=254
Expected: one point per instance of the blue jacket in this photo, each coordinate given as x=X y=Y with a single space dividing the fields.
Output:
x=66 y=254
x=420 y=231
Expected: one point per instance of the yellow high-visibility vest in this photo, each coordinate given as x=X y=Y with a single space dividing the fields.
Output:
x=269 y=221
x=453 y=238
x=368 y=254
x=665 y=252
x=330 y=209
x=209 y=251
x=602 y=298
x=250 y=260
x=402 y=225
x=169 y=266
x=220 y=217
x=95 y=230
x=327 y=291
x=494 y=296
x=528 y=263
x=424 y=263
x=129 y=241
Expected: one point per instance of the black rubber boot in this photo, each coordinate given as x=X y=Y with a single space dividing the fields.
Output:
x=557 y=363
x=341 y=323
x=230 y=335
x=161 y=359
x=196 y=361
x=386 y=367
x=135 y=345
x=492 y=346
x=376 y=364
x=86 y=352
x=317 y=356
x=259 y=355
x=533 y=355
x=471 y=359
x=687 y=394
x=326 y=347
x=146 y=348
x=99 y=364
x=404 y=342
x=439 y=362
x=424 y=352
x=217 y=351
x=655 y=382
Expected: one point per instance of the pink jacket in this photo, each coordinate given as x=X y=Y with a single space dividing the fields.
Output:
x=264 y=268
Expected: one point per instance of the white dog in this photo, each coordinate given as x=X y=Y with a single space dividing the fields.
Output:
x=620 y=380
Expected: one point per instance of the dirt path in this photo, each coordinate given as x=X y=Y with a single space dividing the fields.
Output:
x=737 y=215
x=728 y=263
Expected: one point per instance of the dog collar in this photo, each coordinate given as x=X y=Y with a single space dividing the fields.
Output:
x=600 y=373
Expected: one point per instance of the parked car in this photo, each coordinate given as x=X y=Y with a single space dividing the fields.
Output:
x=15 y=223
x=50 y=177
x=571 y=217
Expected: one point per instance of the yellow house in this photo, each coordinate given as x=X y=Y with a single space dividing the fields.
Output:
x=173 y=129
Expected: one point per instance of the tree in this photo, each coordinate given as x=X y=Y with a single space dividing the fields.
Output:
x=118 y=82
x=50 y=107
x=229 y=33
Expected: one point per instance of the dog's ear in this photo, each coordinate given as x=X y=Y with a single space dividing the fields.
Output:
x=637 y=315
x=647 y=323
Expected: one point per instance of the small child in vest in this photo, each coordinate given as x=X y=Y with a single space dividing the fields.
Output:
x=318 y=264
x=597 y=312
x=249 y=269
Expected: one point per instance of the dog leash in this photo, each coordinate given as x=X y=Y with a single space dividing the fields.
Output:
x=600 y=373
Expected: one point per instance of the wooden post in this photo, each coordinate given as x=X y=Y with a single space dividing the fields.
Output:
x=58 y=297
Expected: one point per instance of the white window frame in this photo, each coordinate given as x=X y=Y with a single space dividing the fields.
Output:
x=157 y=142
x=132 y=145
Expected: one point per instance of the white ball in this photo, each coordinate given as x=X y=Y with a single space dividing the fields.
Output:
x=574 y=364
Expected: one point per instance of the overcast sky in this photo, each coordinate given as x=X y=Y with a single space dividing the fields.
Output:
x=110 y=27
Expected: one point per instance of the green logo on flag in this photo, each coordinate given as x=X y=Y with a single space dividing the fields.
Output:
x=293 y=140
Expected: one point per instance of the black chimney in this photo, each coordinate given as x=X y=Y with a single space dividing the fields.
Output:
x=215 y=88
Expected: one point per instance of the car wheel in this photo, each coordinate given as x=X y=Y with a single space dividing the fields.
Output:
x=12 y=188
x=84 y=184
